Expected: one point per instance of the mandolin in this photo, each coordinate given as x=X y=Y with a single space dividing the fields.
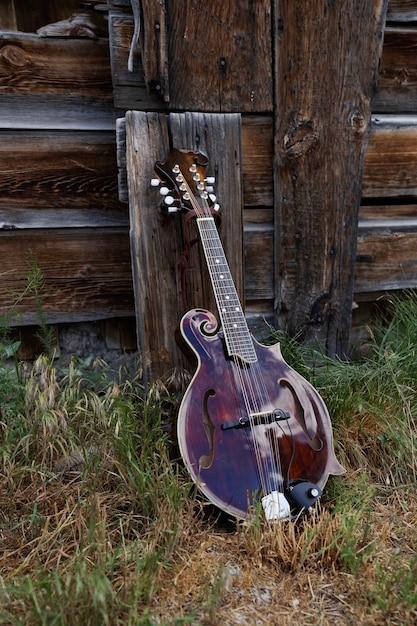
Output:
x=252 y=432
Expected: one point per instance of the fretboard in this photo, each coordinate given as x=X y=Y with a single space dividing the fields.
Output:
x=236 y=332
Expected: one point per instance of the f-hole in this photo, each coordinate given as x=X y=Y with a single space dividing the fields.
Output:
x=207 y=459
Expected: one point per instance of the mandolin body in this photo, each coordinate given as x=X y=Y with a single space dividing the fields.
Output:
x=222 y=452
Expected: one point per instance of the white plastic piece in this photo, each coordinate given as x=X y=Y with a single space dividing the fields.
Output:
x=169 y=200
x=173 y=209
x=276 y=506
x=164 y=191
x=210 y=180
x=155 y=182
x=212 y=197
x=209 y=188
x=216 y=207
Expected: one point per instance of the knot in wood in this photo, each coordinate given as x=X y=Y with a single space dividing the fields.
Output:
x=14 y=56
x=358 y=122
x=320 y=309
x=300 y=139
x=402 y=77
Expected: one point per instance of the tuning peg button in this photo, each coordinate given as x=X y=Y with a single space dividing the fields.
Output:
x=164 y=191
x=155 y=182
x=169 y=200
x=210 y=180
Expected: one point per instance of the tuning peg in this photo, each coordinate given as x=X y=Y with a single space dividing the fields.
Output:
x=164 y=191
x=169 y=209
x=209 y=188
x=210 y=180
x=216 y=207
x=155 y=182
x=169 y=200
x=212 y=197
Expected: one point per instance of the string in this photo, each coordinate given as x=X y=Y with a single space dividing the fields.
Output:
x=247 y=369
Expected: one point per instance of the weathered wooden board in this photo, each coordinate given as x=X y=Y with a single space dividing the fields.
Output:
x=386 y=257
x=155 y=248
x=386 y=211
x=327 y=59
x=154 y=44
x=130 y=89
x=56 y=112
x=397 y=83
x=259 y=261
x=402 y=11
x=257 y=160
x=391 y=159
x=8 y=15
x=49 y=217
x=54 y=170
x=156 y=241
x=259 y=257
x=121 y=30
x=31 y=65
x=55 y=83
x=220 y=55
x=87 y=273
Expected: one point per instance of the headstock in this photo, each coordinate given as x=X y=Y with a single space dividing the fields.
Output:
x=184 y=184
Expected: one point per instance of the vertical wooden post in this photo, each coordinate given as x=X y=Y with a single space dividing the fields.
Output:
x=156 y=240
x=151 y=240
x=327 y=54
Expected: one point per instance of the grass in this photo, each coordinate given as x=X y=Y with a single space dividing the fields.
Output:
x=99 y=526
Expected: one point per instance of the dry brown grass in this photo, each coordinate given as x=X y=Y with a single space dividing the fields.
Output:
x=212 y=573
x=98 y=526
x=277 y=574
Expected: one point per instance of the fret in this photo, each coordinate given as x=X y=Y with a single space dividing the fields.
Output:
x=236 y=332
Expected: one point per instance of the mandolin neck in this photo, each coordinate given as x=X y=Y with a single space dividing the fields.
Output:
x=235 y=329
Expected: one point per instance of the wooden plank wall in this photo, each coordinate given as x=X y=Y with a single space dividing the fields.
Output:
x=59 y=101
x=59 y=206
x=386 y=257
x=379 y=266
